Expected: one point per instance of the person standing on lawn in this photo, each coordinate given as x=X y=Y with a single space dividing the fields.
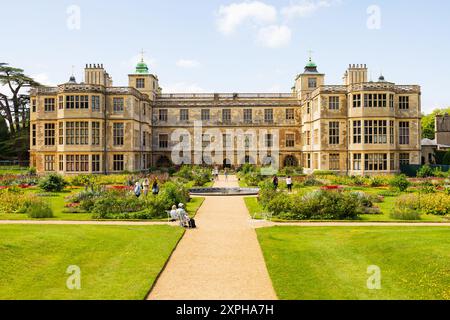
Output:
x=146 y=186
x=137 y=189
x=155 y=187
x=289 y=183
x=275 y=182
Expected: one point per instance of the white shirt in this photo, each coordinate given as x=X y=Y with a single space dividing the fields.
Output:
x=173 y=214
x=288 y=180
x=181 y=213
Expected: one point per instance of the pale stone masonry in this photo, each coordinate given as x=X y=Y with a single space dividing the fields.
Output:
x=360 y=127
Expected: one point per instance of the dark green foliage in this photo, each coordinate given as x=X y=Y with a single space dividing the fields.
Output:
x=446 y=158
x=124 y=205
x=312 y=182
x=425 y=172
x=52 y=183
x=318 y=205
x=39 y=210
x=199 y=176
x=252 y=178
x=247 y=168
x=266 y=192
x=324 y=205
x=439 y=156
x=400 y=182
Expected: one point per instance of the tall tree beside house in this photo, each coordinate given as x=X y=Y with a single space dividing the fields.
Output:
x=14 y=109
x=428 y=123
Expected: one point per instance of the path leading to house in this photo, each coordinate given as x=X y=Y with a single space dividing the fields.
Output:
x=220 y=260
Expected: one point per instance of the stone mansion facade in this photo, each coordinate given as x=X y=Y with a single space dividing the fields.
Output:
x=359 y=127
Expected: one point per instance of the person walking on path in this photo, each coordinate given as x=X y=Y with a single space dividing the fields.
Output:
x=216 y=173
x=289 y=183
x=226 y=174
x=146 y=186
x=275 y=182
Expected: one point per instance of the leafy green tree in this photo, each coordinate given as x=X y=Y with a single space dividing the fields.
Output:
x=4 y=131
x=14 y=110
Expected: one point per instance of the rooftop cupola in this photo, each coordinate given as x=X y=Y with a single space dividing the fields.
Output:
x=72 y=80
x=141 y=67
x=309 y=80
x=143 y=80
x=311 y=67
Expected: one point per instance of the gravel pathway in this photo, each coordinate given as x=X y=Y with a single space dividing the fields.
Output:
x=221 y=260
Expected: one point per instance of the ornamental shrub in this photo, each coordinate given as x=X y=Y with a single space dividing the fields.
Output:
x=404 y=213
x=435 y=204
x=280 y=204
x=425 y=172
x=325 y=205
x=318 y=205
x=312 y=182
x=247 y=168
x=53 y=183
x=105 y=207
x=38 y=209
x=400 y=182
x=175 y=193
x=377 y=181
x=12 y=200
x=266 y=192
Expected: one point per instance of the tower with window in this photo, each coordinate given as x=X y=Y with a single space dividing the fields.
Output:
x=309 y=80
x=143 y=80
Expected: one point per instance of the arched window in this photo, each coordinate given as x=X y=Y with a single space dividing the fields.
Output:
x=290 y=161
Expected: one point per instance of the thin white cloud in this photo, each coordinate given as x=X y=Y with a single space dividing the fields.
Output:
x=235 y=14
x=263 y=18
x=274 y=36
x=182 y=87
x=187 y=63
x=306 y=8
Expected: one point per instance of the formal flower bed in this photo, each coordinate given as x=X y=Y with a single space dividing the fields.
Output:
x=16 y=200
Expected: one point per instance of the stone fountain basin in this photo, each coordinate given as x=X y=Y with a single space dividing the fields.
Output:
x=224 y=191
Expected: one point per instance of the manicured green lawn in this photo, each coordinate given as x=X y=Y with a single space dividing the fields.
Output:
x=253 y=207
x=331 y=263
x=116 y=262
x=193 y=206
x=13 y=170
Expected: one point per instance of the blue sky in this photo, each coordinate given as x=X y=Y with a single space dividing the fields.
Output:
x=233 y=46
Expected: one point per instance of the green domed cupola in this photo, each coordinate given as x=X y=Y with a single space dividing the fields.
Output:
x=311 y=67
x=141 y=67
x=311 y=64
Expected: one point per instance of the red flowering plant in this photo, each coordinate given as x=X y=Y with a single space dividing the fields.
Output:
x=332 y=188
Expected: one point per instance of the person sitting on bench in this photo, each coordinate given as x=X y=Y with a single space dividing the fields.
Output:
x=182 y=215
x=173 y=214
